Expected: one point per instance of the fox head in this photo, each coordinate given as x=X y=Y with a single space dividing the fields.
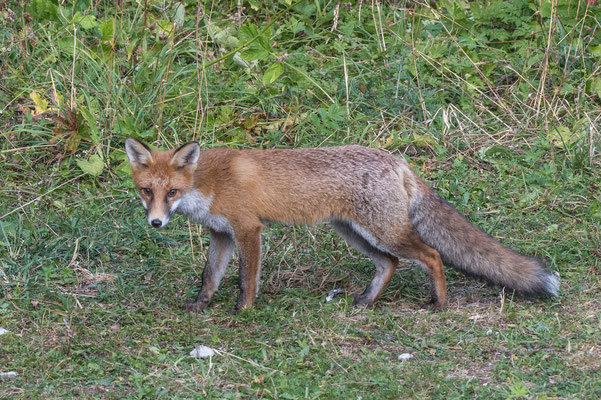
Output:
x=162 y=178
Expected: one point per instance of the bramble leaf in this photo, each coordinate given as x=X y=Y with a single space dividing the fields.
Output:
x=272 y=73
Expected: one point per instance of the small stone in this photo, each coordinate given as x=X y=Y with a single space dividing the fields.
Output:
x=202 y=352
x=405 y=356
x=9 y=374
x=3 y=331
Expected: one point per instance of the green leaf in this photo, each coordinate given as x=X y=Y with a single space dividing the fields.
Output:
x=165 y=28
x=546 y=9
x=424 y=140
x=265 y=40
x=68 y=44
x=180 y=13
x=91 y=120
x=596 y=86
x=562 y=137
x=241 y=62
x=496 y=153
x=272 y=73
x=247 y=32
x=223 y=36
x=86 y=21
x=260 y=48
x=254 y=52
x=93 y=166
x=41 y=105
x=107 y=28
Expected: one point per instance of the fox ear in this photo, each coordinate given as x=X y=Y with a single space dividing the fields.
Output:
x=186 y=156
x=138 y=153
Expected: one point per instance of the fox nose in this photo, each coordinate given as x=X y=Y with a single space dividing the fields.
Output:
x=156 y=223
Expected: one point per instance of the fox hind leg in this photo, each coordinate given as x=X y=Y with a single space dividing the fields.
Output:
x=385 y=263
x=429 y=259
x=409 y=247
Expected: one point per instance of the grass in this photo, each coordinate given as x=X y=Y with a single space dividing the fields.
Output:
x=497 y=104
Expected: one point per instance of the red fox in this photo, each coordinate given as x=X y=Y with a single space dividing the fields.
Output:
x=372 y=199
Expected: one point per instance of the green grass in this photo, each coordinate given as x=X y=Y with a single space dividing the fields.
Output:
x=497 y=104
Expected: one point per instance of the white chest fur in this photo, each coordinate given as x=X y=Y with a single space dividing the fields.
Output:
x=196 y=207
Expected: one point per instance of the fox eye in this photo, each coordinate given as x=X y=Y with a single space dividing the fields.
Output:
x=172 y=193
x=147 y=191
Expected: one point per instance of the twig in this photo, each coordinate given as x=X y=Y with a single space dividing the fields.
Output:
x=419 y=85
x=75 y=253
x=381 y=28
x=249 y=361
x=348 y=115
x=26 y=148
x=164 y=81
x=200 y=70
x=336 y=15
x=541 y=85
x=373 y=16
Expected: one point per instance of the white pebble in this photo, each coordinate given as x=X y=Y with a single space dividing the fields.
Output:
x=405 y=356
x=202 y=352
x=3 y=331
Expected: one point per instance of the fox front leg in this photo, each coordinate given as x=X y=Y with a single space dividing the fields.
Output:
x=221 y=250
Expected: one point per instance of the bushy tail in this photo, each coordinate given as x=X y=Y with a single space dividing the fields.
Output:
x=470 y=250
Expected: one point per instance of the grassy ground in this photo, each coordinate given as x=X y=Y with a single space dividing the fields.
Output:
x=497 y=104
